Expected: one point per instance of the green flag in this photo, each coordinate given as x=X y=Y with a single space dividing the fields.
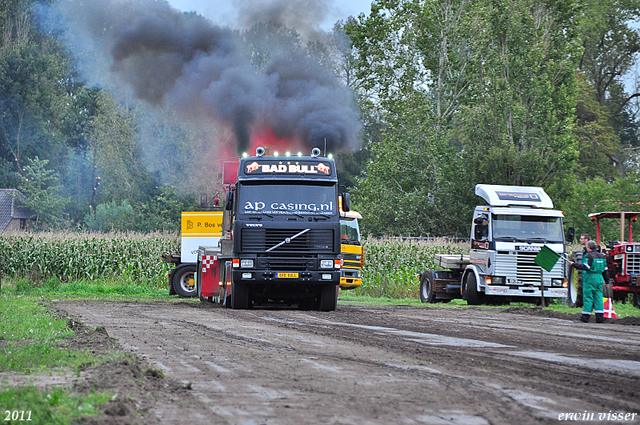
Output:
x=547 y=258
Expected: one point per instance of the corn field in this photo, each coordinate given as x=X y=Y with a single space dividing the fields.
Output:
x=392 y=265
x=132 y=258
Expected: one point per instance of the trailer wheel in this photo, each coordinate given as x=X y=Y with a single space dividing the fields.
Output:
x=426 y=287
x=575 y=288
x=183 y=281
x=471 y=290
x=240 y=296
x=328 y=298
x=636 y=300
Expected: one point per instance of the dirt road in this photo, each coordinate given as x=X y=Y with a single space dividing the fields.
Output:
x=374 y=365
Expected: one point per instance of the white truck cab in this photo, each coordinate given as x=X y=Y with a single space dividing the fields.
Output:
x=506 y=235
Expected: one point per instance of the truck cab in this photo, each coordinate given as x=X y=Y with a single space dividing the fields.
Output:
x=284 y=232
x=352 y=250
x=506 y=236
x=507 y=233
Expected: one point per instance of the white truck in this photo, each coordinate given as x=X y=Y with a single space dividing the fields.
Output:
x=506 y=236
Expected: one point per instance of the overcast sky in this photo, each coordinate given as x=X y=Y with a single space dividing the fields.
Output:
x=223 y=12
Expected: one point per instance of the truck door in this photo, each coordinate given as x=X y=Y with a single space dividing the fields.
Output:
x=479 y=253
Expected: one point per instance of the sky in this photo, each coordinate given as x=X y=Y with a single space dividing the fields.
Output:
x=224 y=12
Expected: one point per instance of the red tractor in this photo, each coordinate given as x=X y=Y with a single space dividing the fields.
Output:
x=623 y=261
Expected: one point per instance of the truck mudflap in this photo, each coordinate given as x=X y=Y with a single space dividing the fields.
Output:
x=525 y=291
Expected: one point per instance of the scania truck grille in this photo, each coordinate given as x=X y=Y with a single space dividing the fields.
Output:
x=261 y=240
x=522 y=266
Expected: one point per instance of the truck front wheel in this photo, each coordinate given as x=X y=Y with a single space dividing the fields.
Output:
x=426 y=287
x=636 y=300
x=183 y=281
x=328 y=298
x=240 y=296
x=471 y=291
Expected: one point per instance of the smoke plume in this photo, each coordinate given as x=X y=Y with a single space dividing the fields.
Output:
x=185 y=63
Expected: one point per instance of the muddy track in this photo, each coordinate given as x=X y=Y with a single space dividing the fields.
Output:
x=374 y=365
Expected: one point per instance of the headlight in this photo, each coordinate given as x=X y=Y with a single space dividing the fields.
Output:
x=247 y=275
x=246 y=263
x=498 y=280
x=326 y=264
x=326 y=276
x=556 y=282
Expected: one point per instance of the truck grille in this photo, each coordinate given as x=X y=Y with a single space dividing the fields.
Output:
x=315 y=240
x=633 y=263
x=522 y=266
x=286 y=263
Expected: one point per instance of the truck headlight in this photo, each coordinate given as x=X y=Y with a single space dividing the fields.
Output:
x=498 y=280
x=326 y=264
x=556 y=282
x=326 y=276
x=246 y=263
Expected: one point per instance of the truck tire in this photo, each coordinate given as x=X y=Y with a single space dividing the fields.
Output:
x=240 y=296
x=471 y=290
x=426 y=287
x=183 y=281
x=328 y=298
x=574 y=284
x=636 y=300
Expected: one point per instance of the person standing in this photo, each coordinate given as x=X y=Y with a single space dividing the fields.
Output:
x=592 y=266
x=584 y=238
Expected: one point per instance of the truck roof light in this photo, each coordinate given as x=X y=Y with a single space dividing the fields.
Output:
x=259 y=151
x=315 y=152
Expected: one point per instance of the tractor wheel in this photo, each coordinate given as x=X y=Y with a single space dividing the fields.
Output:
x=575 y=287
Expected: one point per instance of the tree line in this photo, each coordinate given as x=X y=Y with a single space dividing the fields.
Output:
x=450 y=93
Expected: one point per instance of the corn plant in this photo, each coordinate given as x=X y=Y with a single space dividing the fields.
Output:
x=134 y=258
x=392 y=265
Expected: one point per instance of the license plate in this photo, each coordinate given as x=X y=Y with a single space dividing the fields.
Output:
x=286 y=275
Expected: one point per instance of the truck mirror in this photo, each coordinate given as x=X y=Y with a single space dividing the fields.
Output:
x=346 y=202
x=229 y=204
x=481 y=221
x=571 y=234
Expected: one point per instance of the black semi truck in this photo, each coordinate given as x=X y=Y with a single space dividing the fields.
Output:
x=282 y=244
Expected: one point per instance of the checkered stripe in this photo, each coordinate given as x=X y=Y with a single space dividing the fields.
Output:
x=207 y=262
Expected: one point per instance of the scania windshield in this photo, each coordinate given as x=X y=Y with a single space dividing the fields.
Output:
x=527 y=228
x=287 y=199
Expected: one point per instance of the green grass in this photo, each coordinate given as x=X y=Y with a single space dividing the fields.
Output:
x=49 y=407
x=28 y=343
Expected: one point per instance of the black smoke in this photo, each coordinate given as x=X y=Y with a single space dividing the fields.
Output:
x=185 y=63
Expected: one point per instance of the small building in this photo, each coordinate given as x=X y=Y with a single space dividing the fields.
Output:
x=13 y=216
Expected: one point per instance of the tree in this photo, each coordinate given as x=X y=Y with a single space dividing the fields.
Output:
x=41 y=190
x=518 y=128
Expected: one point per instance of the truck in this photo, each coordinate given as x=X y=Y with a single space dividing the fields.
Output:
x=352 y=250
x=506 y=236
x=623 y=261
x=197 y=228
x=281 y=243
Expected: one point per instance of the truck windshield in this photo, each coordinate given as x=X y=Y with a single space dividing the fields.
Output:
x=527 y=228
x=350 y=232
x=287 y=199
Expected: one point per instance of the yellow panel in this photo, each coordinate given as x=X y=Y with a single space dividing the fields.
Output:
x=201 y=223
